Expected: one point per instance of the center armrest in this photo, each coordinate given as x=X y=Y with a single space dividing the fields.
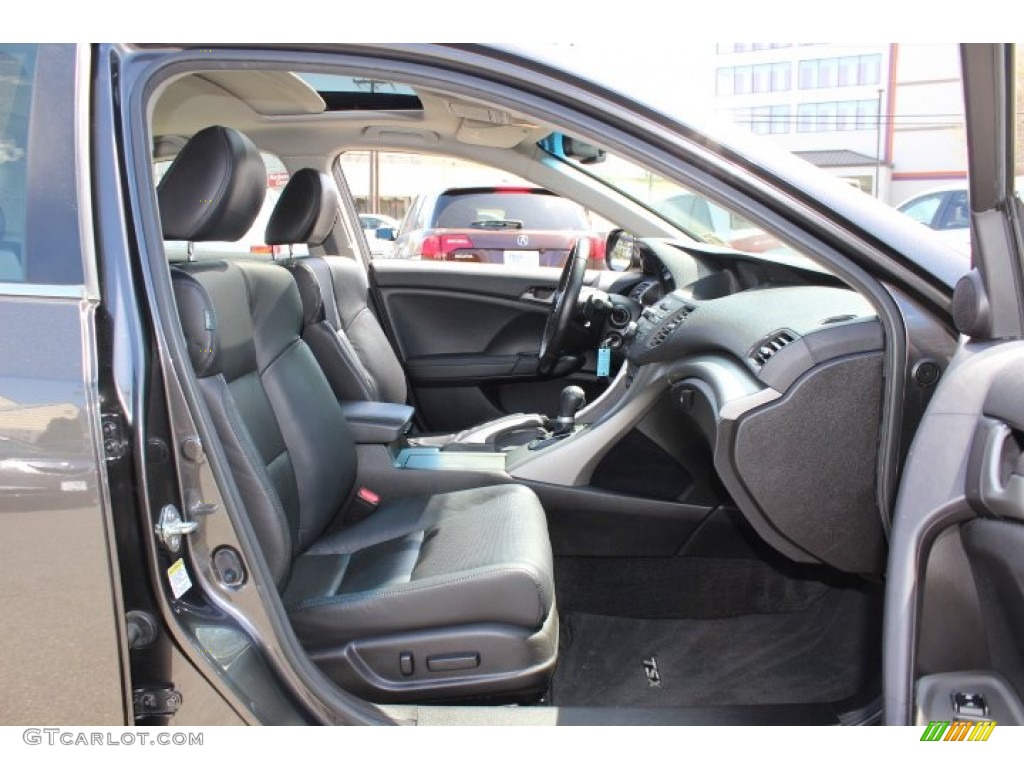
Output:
x=373 y=422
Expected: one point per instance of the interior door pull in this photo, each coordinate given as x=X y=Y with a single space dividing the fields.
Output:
x=538 y=295
x=995 y=471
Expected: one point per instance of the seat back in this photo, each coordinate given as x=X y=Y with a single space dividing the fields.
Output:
x=344 y=333
x=287 y=442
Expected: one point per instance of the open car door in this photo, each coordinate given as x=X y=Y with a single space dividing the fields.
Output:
x=954 y=614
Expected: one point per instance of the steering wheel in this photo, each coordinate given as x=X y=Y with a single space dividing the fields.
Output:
x=563 y=305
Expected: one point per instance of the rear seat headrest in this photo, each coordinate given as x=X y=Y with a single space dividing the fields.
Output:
x=306 y=212
x=214 y=188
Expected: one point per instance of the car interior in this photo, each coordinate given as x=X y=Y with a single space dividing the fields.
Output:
x=480 y=484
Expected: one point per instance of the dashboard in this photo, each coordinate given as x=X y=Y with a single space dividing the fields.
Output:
x=777 y=319
x=779 y=366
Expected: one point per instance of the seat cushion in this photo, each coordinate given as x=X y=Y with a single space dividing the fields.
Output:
x=468 y=557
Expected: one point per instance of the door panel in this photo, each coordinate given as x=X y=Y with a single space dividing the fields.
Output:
x=929 y=590
x=60 y=650
x=468 y=337
x=955 y=596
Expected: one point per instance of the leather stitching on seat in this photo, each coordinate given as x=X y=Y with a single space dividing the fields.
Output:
x=226 y=179
x=358 y=314
x=354 y=364
x=241 y=434
x=287 y=348
x=185 y=280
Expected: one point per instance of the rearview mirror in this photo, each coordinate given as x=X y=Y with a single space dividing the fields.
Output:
x=386 y=233
x=581 y=151
x=621 y=251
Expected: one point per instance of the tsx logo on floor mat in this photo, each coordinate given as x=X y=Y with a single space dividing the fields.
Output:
x=652 y=671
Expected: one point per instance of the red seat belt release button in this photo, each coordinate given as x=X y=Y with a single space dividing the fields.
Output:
x=368 y=496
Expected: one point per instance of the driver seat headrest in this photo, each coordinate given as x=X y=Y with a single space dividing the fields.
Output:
x=306 y=212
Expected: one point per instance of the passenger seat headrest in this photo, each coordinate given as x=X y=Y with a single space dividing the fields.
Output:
x=306 y=212
x=214 y=188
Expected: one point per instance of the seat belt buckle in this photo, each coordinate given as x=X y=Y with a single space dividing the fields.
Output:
x=363 y=505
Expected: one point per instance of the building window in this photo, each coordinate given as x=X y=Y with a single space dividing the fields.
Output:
x=870 y=70
x=757 y=78
x=762 y=78
x=867 y=114
x=841 y=72
x=742 y=117
x=724 y=85
x=827 y=116
x=828 y=73
x=761 y=120
x=805 y=118
x=780 y=117
x=781 y=76
x=846 y=116
x=741 y=79
x=809 y=74
x=849 y=66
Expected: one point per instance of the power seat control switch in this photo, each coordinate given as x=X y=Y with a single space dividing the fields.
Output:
x=406 y=664
x=969 y=704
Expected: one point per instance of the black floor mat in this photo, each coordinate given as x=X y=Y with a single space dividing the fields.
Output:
x=687 y=587
x=827 y=652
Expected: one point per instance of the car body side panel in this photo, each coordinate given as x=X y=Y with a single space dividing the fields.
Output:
x=59 y=651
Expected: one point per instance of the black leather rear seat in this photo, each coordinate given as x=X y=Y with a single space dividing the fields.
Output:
x=431 y=597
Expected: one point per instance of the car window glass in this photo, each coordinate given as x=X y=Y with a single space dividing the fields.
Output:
x=17 y=63
x=425 y=191
x=957 y=213
x=923 y=210
x=253 y=243
x=696 y=215
x=525 y=210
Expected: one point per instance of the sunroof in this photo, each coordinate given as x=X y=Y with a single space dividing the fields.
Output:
x=343 y=93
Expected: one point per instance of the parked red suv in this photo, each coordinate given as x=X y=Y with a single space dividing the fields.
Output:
x=517 y=226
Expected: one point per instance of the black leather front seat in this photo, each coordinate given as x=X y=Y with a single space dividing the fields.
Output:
x=431 y=597
x=342 y=330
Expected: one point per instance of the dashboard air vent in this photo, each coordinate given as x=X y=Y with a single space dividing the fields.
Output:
x=677 y=317
x=641 y=288
x=766 y=349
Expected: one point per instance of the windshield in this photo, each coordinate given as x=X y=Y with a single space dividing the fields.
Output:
x=511 y=209
x=700 y=218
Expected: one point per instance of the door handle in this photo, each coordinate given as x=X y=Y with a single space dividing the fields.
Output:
x=538 y=294
x=995 y=471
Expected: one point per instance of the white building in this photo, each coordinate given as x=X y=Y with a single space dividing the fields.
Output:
x=887 y=117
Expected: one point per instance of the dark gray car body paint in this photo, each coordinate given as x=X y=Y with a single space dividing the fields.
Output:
x=60 y=651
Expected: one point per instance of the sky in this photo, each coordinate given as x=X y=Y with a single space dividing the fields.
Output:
x=626 y=31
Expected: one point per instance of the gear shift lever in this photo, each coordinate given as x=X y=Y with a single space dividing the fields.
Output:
x=571 y=401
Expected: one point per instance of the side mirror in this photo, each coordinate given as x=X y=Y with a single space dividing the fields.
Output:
x=621 y=251
x=386 y=233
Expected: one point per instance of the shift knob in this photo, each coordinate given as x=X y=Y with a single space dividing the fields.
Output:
x=571 y=401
